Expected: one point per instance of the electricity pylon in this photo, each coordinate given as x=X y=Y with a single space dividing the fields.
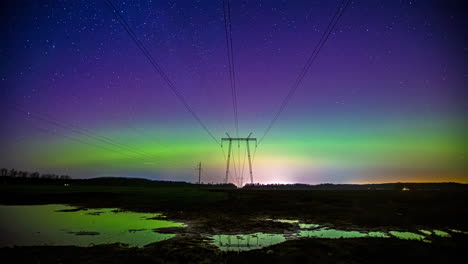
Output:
x=199 y=172
x=247 y=140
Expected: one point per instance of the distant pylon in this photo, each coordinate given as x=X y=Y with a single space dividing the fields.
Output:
x=199 y=172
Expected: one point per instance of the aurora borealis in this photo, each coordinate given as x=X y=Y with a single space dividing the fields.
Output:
x=385 y=100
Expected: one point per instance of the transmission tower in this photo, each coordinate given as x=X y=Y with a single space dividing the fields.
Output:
x=230 y=140
x=199 y=172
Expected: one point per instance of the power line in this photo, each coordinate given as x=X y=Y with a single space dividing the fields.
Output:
x=79 y=130
x=158 y=69
x=89 y=134
x=76 y=140
x=232 y=75
x=230 y=53
x=84 y=142
x=326 y=34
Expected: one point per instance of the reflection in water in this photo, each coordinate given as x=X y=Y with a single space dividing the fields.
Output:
x=458 y=231
x=287 y=221
x=259 y=240
x=441 y=233
x=378 y=234
x=246 y=242
x=407 y=235
x=61 y=225
x=331 y=233
x=308 y=226
x=65 y=225
x=426 y=232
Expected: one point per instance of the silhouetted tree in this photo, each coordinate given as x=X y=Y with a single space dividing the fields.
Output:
x=4 y=172
x=13 y=173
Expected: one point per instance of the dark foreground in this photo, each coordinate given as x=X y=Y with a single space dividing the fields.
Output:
x=209 y=211
x=298 y=251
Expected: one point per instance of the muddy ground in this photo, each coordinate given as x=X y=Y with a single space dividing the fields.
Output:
x=181 y=250
x=208 y=212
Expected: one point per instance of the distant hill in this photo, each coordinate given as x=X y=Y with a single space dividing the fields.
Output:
x=121 y=181
x=109 y=181
x=403 y=186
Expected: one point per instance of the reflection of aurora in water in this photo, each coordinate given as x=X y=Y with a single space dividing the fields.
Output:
x=331 y=233
x=64 y=225
x=50 y=225
x=246 y=242
x=406 y=235
x=243 y=242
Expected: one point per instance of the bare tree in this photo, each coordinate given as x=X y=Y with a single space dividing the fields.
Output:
x=13 y=173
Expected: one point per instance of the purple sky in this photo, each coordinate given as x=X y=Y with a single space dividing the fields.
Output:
x=388 y=66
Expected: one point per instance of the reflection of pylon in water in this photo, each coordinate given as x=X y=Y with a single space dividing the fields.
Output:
x=239 y=179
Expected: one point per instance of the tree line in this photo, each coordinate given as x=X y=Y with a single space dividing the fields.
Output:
x=13 y=173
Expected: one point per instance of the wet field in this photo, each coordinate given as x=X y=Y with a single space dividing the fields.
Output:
x=60 y=225
x=196 y=225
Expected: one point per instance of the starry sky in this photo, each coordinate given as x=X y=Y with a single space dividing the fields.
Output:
x=384 y=101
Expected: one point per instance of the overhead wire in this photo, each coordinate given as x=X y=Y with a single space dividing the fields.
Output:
x=81 y=141
x=79 y=130
x=231 y=68
x=230 y=54
x=326 y=34
x=76 y=139
x=110 y=145
x=157 y=68
x=228 y=34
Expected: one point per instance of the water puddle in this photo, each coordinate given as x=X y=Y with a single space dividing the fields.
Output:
x=308 y=226
x=458 y=231
x=286 y=221
x=378 y=234
x=331 y=233
x=407 y=235
x=335 y=233
x=243 y=242
x=65 y=225
x=246 y=242
x=441 y=233
x=54 y=224
x=426 y=232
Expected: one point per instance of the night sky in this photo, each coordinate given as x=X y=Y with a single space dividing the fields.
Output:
x=384 y=101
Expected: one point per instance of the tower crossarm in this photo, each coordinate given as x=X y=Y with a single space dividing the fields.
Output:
x=239 y=139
